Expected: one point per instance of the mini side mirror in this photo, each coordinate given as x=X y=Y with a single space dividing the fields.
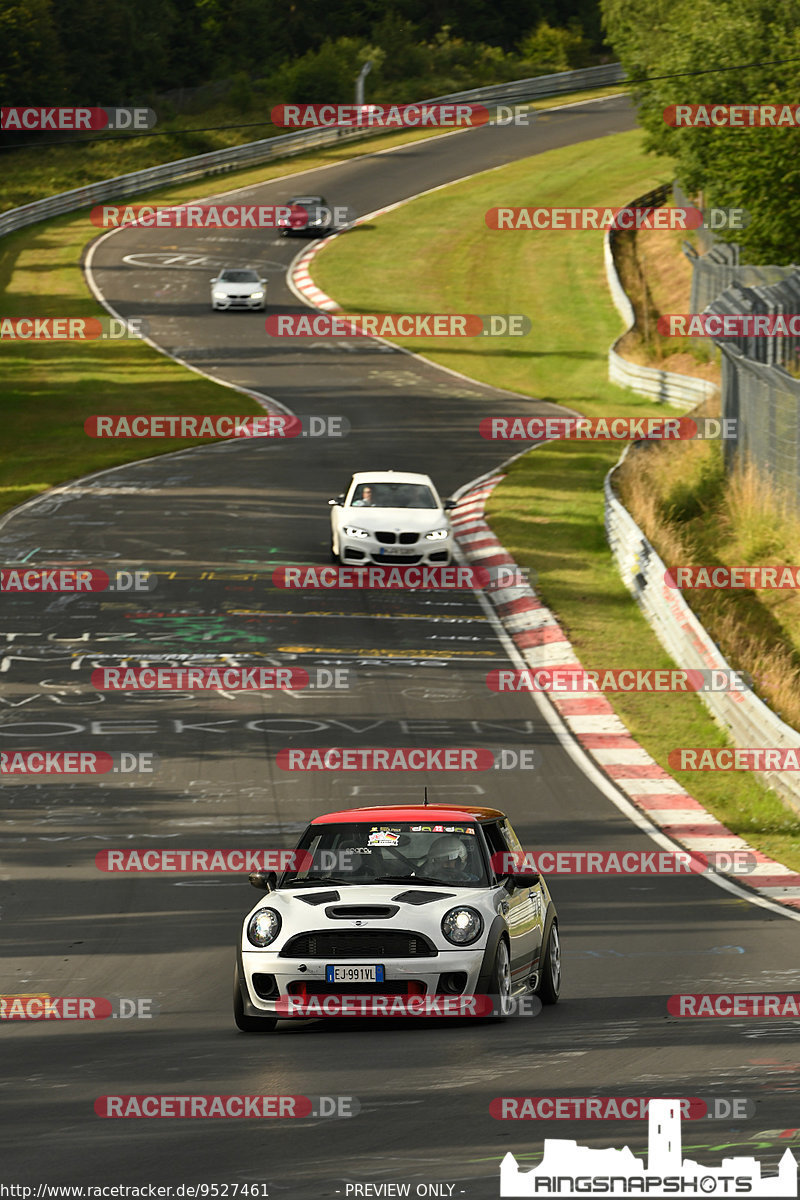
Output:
x=263 y=880
x=527 y=880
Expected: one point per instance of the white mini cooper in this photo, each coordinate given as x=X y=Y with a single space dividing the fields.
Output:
x=399 y=902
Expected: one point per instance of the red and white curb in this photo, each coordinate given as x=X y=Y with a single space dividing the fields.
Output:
x=300 y=278
x=541 y=642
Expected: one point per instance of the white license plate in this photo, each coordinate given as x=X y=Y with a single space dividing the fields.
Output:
x=402 y=551
x=354 y=974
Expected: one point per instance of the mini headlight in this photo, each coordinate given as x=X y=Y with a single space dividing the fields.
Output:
x=263 y=927
x=461 y=926
x=436 y=534
x=354 y=532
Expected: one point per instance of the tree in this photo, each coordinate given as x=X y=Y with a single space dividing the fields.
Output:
x=714 y=52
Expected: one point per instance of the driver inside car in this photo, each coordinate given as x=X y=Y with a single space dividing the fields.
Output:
x=448 y=860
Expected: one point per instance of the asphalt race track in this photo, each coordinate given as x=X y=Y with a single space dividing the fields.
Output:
x=212 y=523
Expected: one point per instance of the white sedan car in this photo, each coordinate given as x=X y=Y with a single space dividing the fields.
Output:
x=238 y=287
x=391 y=517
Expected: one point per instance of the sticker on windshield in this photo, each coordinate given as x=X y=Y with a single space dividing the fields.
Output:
x=442 y=829
x=383 y=837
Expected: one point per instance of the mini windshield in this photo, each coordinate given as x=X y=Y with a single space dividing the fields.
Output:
x=392 y=852
x=393 y=495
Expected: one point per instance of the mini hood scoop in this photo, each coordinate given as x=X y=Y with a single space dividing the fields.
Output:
x=420 y=897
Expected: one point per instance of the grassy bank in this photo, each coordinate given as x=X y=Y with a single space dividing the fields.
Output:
x=436 y=254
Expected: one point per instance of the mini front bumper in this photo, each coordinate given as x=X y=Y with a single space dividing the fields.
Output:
x=285 y=972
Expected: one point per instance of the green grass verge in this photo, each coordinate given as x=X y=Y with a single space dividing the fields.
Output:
x=437 y=255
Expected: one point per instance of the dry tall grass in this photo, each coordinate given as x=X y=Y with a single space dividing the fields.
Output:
x=693 y=515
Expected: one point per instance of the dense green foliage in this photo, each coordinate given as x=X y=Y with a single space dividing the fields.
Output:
x=753 y=168
x=115 y=51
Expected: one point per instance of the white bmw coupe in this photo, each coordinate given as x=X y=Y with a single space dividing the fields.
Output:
x=391 y=517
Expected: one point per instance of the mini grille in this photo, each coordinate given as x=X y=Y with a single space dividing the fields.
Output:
x=359 y=943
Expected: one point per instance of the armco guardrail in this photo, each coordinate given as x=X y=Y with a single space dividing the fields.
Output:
x=748 y=720
x=286 y=145
x=666 y=387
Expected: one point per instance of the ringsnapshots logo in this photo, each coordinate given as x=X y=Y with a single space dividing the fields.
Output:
x=412 y=577
x=570 y=1170
x=606 y=429
x=397 y=325
x=76 y=120
x=270 y=425
x=71 y=329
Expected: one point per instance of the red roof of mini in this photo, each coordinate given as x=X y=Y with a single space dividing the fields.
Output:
x=418 y=812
